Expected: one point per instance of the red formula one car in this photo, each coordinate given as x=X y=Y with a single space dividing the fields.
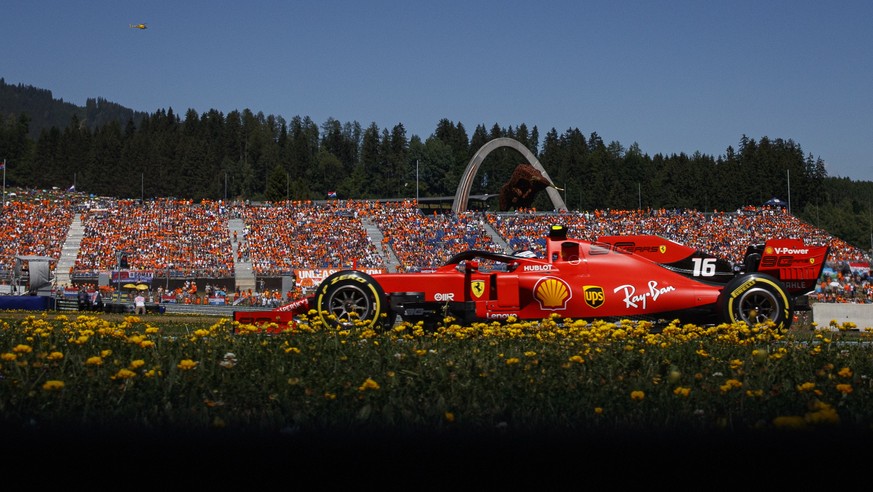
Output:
x=640 y=277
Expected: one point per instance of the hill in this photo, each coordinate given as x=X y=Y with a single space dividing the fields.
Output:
x=45 y=112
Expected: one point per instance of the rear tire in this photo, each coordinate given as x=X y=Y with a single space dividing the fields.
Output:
x=352 y=299
x=756 y=298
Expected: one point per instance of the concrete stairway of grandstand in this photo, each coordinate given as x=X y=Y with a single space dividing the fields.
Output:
x=376 y=237
x=69 y=251
x=496 y=238
x=245 y=277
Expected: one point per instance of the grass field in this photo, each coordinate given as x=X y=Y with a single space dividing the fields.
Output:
x=513 y=402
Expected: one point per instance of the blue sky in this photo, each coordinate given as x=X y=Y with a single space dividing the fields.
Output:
x=671 y=76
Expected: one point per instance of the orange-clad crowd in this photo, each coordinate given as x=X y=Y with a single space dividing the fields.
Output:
x=288 y=236
x=34 y=227
x=180 y=238
x=187 y=239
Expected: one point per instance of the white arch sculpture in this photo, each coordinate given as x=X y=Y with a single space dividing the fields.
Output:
x=462 y=196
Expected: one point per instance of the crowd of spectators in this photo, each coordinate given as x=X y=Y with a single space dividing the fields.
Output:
x=421 y=241
x=291 y=235
x=725 y=234
x=180 y=238
x=33 y=225
x=175 y=237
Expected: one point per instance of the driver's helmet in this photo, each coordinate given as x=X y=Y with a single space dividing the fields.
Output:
x=524 y=253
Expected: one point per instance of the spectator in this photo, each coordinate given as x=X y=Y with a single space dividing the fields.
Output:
x=97 y=303
x=139 y=304
x=84 y=303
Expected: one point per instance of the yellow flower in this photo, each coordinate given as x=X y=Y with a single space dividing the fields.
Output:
x=578 y=359
x=55 y=356
x=844 y=388
x=187 y=365
x=598 y=410
x=22 y=349
x=789 y=422
x=730 y=384
x=760 y=355
x=450 y=417
x=368 y=384
x=637 y=395
x=136 y=364
x=512 y=360
x=8 y=357
x=682 y=391
x=124 y=374
x=807 y=386
x=845 y=372
x=823 y=414
x=94 y=361
x=53 y=385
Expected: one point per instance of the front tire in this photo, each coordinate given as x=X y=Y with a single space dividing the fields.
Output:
x=756 y=298
x=352 y=299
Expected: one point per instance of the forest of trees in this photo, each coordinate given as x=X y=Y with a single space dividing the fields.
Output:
x=109 y=150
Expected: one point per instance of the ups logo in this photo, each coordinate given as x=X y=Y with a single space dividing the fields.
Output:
x=594 y=296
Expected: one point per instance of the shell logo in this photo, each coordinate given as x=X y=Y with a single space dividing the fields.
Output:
x=768 y=250
x=552 y=293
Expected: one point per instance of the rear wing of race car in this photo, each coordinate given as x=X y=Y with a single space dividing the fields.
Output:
x=797 y=265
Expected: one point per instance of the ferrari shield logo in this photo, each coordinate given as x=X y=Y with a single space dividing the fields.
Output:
x=477 y=287
x=594 y=296
x=662 y=248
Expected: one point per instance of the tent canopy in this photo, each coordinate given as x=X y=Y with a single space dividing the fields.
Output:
x=775 y=202
x=34 y=258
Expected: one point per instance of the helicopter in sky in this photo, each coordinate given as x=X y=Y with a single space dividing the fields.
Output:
x=139 y=26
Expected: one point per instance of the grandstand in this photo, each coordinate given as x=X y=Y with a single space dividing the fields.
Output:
x=265 y=253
